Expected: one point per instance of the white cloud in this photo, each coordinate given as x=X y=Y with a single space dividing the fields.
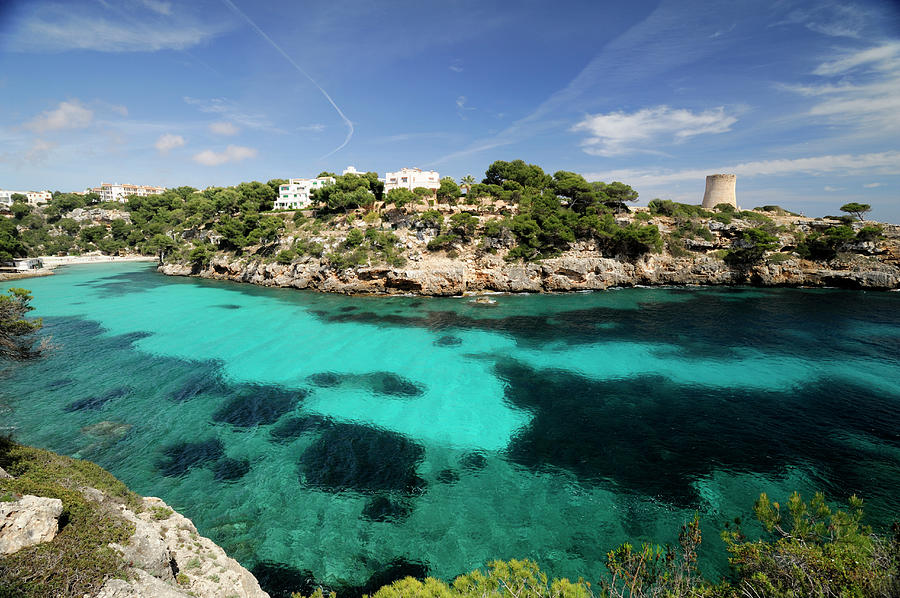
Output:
x=313 y=128
x=58 y=28
x=835 y=19
x=877 y=55
x=168 y=142
x=39 y=150
x=455 y=68
x=830 y=188
x=119 y=109
x=233 y=113
x=232 y=153
x=223 y=128
x=68 y=115
x=620 y=133
x=883 y=163
x=865 y=92
x=158 y=6
x=872 y=185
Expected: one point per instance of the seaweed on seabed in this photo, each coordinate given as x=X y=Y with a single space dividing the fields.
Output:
x=180 y=458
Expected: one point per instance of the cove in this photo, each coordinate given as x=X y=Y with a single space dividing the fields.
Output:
x=340 y=440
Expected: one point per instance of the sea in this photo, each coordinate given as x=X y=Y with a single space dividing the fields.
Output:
x=347 y=441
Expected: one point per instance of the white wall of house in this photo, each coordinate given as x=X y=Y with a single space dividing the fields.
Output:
x=33 y=197
x=118 y=192
x=296 y=193
x=410 y=178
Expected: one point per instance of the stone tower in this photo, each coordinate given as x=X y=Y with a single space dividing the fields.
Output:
x=719 y=189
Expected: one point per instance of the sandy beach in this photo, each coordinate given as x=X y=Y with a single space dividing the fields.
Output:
x=51 y=262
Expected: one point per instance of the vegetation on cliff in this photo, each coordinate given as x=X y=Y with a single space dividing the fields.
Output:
x=79 y=560
x=517 y=212
x=811 y=550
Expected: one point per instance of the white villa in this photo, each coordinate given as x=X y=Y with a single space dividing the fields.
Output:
x=296 y=194
x=410 y=178
x=117 y=192
x=33 y=197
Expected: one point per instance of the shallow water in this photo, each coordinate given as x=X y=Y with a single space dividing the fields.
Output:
x=349 y=440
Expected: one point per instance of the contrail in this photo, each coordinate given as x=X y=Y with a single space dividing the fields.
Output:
x=272 y=43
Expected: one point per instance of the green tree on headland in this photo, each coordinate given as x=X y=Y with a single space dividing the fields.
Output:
x=16 y=331
x=857 y=209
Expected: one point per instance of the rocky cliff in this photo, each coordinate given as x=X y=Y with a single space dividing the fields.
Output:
x=60 y=536
x=573 y=271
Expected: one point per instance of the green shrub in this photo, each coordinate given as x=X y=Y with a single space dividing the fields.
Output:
x=354 y=238
x=79 y=559
x=286 y=256
x=160 y=513
x=666 y=207
x=643 y=216
x=779 y=258
x=442 y=242
x=870 y=233
x=815 y=551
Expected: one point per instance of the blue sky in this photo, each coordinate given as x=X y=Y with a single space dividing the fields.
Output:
x=800 y=99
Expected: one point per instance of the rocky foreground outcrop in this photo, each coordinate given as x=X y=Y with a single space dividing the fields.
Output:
x=169 y=558
x=27 y=521
x=573 y=271
x=165 y=556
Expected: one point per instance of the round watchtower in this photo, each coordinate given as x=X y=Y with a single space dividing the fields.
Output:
x=719 y=189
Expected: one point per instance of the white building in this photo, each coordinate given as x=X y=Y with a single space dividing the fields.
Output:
x=352 y=170
x=117 y=192
x=33 y=197
x=410 y=178
x=296 y=194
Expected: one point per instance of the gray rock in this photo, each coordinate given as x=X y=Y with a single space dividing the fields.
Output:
x=28 y=521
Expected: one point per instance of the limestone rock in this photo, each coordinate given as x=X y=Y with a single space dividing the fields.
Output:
x=28 y=521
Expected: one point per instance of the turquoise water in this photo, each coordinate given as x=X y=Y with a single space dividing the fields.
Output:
x=345 y=440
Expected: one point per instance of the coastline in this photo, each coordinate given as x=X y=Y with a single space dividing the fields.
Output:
x=571 y=272
x=51 y=262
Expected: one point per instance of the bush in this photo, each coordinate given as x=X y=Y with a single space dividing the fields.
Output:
x=286 y=256
x=817 y=551
x=354 y=238
x=79 y=559
x=666 y=207
x=442 y=242
x=870 y=233
x=824 y=246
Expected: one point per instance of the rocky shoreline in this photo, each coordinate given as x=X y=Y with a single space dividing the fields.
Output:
x=573 y=271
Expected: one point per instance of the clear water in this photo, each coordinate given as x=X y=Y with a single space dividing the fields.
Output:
x=347 y=440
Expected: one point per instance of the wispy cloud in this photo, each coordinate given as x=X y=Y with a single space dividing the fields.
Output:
x=835 y=19
x=830 y=189
x=39 y=150
x=223 y=128
x=58 y=28
x=863 y=90
x=300 y=70
x=232 y=112
x=232 y=153
x=667 y=39
x=619 y=133
x=158 y=6
x=68 y=115
x=313 y=128
x=168 y=142
x=872 y=185
x=456 y=66
x=883 y=163
x=461 y=107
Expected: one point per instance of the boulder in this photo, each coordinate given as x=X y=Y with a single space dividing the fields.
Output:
x=28 y=521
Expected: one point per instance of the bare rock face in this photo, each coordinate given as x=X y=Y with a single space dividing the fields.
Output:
x=169 y=559
x=28 y=521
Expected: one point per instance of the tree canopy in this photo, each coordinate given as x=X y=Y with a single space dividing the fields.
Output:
x=857 y=209
x=16 y=331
